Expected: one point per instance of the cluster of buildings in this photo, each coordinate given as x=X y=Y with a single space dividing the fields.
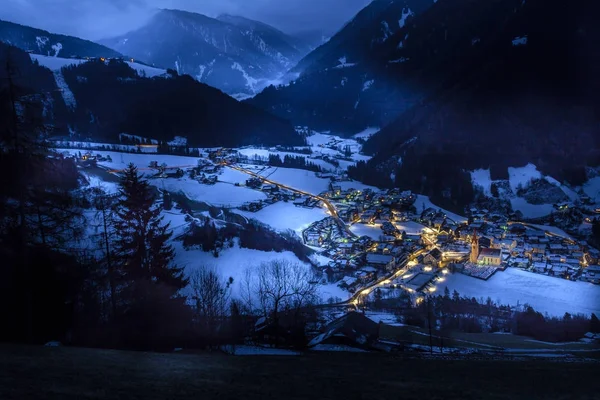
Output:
x=496 y=244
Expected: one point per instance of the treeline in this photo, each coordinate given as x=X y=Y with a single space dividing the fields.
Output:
x=290 y=161
x=113 y=99
x=453 y=312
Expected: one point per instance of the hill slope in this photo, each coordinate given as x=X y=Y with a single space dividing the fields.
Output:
x=99 y=100
x=349 y=83
x=49 y=44
x=236 y=55
x=517 y=85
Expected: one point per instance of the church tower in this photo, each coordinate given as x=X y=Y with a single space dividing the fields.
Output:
x=474 y=248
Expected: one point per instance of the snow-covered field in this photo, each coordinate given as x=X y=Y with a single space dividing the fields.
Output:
x=282 y=216
x=372 y=231
x=220 y=194
x=231 y=262
x=410 y=227
x=298 y=179
x=265 y=153
x=56 y=63
x=530 y=210
x=546 y=294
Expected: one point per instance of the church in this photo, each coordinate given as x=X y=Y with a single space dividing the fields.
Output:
x=485 y=256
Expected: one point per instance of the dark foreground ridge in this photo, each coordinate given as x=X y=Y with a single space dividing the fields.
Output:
x=74 y=373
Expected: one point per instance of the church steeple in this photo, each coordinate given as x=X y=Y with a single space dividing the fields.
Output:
x=474 y=248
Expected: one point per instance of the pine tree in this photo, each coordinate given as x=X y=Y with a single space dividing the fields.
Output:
x=142 y=248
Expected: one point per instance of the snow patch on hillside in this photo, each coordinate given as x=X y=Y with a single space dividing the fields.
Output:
x=367 y=85
x=57 y=48
x=343 y=63
x=250 y=81
x=522 y=176
x=399 y=60
x=520 y=41
x=201 y=74
x=482 y=178
x=65 y=91
x=367 y=133
x=41 y=41
x=385 y=29
x=406 y=12
x=592 y=189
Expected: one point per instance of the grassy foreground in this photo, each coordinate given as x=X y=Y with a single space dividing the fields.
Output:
x=75 y=373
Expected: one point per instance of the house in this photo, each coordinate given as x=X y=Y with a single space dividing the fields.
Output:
x=270 y=188
x=433 y=258
x=147 y=148
x=345 y=248
x=353 y=329
x=348 y=282
x=485 y=242
x=592 y=274
x=519 y=262
x=490 y=256
x=505 y=244
x=385 y=261
x=539 y=267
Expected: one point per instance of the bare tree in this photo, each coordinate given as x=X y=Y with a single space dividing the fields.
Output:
x=282 y=286
x=211 y=294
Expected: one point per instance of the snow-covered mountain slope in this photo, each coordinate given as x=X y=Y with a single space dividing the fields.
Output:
x=344 y=84
x=42 y=42
x=236 y=55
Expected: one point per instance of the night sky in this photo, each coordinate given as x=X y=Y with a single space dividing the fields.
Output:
x=96 y=19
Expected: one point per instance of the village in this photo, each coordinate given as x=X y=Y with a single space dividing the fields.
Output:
x=385 y=239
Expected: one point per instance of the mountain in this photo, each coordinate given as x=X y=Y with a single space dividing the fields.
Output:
x=234 y=54
x=271 y=35
x=507 y=83
x=42 y=42
x=95 y=100
x=347 y=84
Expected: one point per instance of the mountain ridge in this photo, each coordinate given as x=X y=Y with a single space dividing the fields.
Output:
x=42 y=42
x=234 y=54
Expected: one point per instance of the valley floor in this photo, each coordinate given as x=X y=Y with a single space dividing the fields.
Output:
x=72 y=373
